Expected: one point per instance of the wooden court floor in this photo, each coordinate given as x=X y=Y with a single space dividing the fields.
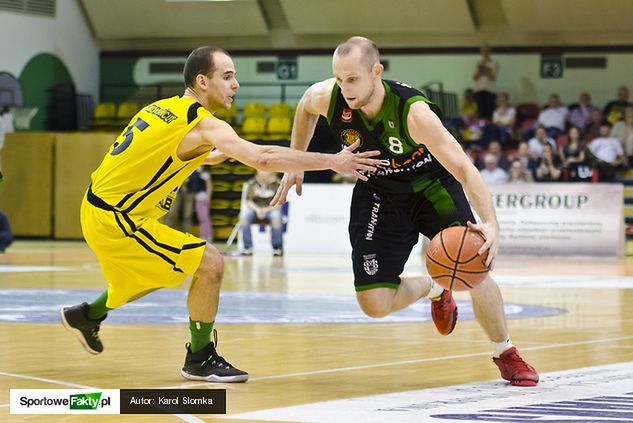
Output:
x=576 y=313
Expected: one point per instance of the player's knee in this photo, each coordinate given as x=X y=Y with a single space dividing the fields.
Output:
x=373 y=305
x=212 y=264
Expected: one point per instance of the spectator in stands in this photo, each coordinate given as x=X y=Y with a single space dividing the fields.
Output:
x=503 y=118
x=592 y=130
x=608 y=154
x=549 y=168
x=519 y=173
x=580 y=114
x=554 y=117
x=523 y=155
x=6 y=237
x=468 y=108
x=572 y=154
x=623 y=131
x=260 y=191
x=614 y=110
x=535 y=145
x=485 y=78
x=6 y=126
x=495 y=149
x=493 y=174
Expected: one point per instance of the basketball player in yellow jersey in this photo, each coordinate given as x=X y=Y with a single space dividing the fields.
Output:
x=135 y=185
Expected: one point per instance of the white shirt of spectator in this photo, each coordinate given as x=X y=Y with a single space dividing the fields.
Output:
x=483 y=83
x=535 y=148
x=553 y=117
x=606 y=149
x=504 y=119
x=496 y=176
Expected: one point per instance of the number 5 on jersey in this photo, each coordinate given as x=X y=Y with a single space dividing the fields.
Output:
x=140 y=124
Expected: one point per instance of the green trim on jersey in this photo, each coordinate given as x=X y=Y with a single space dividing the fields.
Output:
x=405 y=113
x=332 y=107
x=437 y=195
x=377 y=285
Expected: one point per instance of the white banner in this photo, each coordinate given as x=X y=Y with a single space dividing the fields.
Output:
x=64 y=401
x=560 y=219
x=318 y=220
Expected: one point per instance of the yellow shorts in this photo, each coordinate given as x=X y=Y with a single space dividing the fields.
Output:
x=137 y=254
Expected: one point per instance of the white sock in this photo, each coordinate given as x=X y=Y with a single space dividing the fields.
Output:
x=499 y=348
x=435 y=291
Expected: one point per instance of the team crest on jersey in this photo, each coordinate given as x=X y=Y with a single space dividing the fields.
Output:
x=350 y=136
x=346 y=115
x=371 y=264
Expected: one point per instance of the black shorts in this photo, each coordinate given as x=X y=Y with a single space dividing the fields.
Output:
x=385 y=226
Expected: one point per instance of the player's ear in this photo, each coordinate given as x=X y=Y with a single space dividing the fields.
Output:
x=201 y=80
x=378 y=69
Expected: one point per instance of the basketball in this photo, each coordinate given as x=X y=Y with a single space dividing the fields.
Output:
x=452 y=259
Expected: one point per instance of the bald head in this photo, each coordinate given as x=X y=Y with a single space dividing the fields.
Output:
x=368 y=51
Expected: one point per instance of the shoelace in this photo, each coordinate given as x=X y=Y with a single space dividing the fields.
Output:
x=214 y=358
x=94 y=332
x=518 y=362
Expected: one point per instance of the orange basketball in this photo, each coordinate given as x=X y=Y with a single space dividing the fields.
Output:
x=452 y=259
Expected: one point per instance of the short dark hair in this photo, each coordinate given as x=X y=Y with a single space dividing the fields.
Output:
x=369 y=51
x=200 y=61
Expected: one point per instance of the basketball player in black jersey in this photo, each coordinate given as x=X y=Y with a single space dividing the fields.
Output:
x=419 y=189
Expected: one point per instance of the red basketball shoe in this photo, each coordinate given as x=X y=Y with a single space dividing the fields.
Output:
x=444 y=312
x=515 y=370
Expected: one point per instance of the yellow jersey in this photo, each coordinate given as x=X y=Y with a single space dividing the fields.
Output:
x=141 y=172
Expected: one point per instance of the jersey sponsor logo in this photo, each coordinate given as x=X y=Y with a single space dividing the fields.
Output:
x=350 y=136
x=346 y=115
x=371 y=264
x=165 y=115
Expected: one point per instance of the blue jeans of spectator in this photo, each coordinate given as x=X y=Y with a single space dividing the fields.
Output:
x=273 y=217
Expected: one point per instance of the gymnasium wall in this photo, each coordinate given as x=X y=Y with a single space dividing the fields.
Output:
x=519 y=74
x=44 y=51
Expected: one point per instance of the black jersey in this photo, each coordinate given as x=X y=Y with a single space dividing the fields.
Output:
x=407 y=166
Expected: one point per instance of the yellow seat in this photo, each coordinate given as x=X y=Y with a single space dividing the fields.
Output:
x=280 y=110
x=253 y=127
x=227 y=115
x=254 y=110
x=279 y=125
x=126 y=111
x=104 y=115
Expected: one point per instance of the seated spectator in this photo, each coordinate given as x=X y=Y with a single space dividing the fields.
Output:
x=549 y=168
x=572 y=155
x=614 y=110
x=260 y=191
x=503 y=118
x=523 y=155
x=6 y=237
x=468 y=108
x=495 y=149
x=623 y=131
x=519 y=173
x=535 y=145
x=592 y=130
x=608 y=154
x=580 y=114
x=554 y=117
x=492 y=174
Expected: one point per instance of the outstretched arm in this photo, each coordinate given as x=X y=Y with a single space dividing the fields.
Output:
x=314 y=102
x=426 y=128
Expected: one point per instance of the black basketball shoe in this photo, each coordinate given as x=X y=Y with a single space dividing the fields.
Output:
x=76 y=320
x=207 y=365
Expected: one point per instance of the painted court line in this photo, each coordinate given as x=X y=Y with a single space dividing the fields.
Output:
x=399 y=363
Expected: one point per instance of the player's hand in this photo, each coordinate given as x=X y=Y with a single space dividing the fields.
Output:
x=348 y=162
x=490 y=232
x=288 y=180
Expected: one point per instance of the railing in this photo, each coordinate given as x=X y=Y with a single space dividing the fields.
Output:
x=446 y=101
x=284 y=92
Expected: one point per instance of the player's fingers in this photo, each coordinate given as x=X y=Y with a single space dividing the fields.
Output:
x=298 y=187
x=353 y=146
x=366 y=168
x=360 y=176
x=371 y=153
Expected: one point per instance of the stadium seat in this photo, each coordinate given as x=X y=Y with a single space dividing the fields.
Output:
x=254 y=127
x=254 y=110
x=227 y=115
x=280 y=110
x=279 y=127
x=126 y=111
x=104 y=115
